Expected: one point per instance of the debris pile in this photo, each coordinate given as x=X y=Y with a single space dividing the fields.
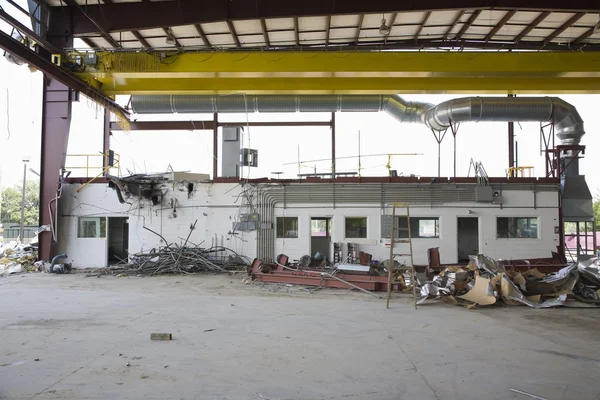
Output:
x=174 y=259
x=16 y=258
x=485 y=282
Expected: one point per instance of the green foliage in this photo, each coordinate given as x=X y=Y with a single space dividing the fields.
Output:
x=596 y=208
x=11 y=204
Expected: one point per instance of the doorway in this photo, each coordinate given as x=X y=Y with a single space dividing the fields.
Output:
x=320 y=236
x=468 y=237
x=118 y=239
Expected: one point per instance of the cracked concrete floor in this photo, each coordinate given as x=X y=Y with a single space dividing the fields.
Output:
x=234 y=341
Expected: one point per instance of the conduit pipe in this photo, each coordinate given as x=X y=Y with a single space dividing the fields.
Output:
x=568 y=122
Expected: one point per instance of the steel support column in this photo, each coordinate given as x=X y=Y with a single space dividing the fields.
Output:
x=333 y=145
x=56 y=121
x=215 y=145
x=511 y=144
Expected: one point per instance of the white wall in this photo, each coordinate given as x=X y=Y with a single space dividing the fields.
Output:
x=517 y=203
x=217 y=206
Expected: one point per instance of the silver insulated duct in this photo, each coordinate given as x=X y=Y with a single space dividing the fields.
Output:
x=568 y=123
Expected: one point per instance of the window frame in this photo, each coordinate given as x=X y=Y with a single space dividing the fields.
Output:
x=100 y=231
x=514 y=235
x=284 y=231
x=366 y=227
x=403 y=234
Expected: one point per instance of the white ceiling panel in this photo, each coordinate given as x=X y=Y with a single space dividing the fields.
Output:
x=152 y=32
x=276 y=37
x=280 y=23
x=312 y=23
x=342 y=33
x=215 y=27
x=246 y=27
x=345 y=20
x=185 y=30
x=524 y=17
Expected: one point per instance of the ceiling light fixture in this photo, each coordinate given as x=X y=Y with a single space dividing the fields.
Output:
x=384 y=29
x=170 y=39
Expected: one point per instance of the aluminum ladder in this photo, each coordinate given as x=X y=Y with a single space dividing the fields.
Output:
x=408 y=241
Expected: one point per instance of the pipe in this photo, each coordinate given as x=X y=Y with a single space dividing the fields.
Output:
x=568 y=122
x=55 y=259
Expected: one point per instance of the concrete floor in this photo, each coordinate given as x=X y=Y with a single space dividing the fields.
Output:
x=278 y=343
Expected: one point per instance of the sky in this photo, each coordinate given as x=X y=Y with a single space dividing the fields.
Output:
x=278 y=147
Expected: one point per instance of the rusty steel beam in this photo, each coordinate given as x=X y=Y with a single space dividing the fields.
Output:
x=530 y=27
x=327 y=30
x=56 y=121
x=467 y=24
x=127 y=16
x=101 y=30
x=563 y=27
x=500 y=24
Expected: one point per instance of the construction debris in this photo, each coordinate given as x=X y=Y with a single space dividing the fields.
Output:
x=161 y=336
x=485 y=282
x=17 y=258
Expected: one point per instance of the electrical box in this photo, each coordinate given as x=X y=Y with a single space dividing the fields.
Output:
x=249 y=218
x=249 y=158
x=91 y=59
x=484 y=194
x=244 y=226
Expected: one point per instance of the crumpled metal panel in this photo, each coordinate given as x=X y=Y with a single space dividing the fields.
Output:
x=516 y=295
x=488 y=264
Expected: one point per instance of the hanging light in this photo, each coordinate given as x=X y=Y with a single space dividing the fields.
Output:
x=170 y=38
x=384 y=29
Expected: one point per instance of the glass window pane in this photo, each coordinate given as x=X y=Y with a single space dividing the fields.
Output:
x=318 y=227
x=356 y=227
x=287 y=227
x=516 y=227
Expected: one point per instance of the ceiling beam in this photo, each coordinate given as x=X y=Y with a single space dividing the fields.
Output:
x=234 y=35
x=530 y=27
x=265 y=32
x=576 y=17
x=456 y=20
x=361 y=18
x=586 y=35
x=62 y=75
x=328 y=30
x=128 y=16
x=420 y=28
x=296 y=31
x=141 y=39
x=467 y=24
x=74 y=5
x=89 y=42
x=202 y=35
x=500 y=24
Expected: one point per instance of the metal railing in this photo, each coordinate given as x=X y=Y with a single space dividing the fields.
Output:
x=108 y=161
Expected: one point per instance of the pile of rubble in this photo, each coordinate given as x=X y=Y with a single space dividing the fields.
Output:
x=16 y=258
x=174 y=259
x=485 y=282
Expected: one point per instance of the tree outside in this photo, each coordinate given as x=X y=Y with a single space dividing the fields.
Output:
x=10 y=212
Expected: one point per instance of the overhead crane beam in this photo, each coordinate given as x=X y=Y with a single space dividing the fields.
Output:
x=347 y=72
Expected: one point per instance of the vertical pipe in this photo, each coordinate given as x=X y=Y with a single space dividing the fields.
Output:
x=215 y=145
x=333 y=145
x=106 y=140
x=22 y=228
x=578 y=239
x=454 y=135
x=439 y=158
x=511 y=144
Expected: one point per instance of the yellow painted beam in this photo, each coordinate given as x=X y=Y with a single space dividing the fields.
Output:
x=347 y=72
x=353 y=85
x=137 y=64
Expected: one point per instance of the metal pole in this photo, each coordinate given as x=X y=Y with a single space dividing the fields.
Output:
x=215 y=145
x=511 y=145
x=391 y=260
x=454 y=134
x=439 y=158
x=22 y=230
x=333 y=145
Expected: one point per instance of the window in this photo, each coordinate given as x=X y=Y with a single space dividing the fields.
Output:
x=424 y=227
x=356 y=227
x=92 y=227
x=287 y=227
x=516 y=227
